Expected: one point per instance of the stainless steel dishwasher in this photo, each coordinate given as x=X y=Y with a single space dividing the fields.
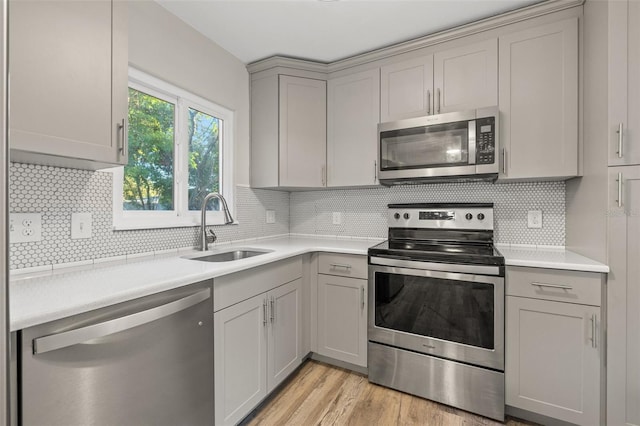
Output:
x=144 y=362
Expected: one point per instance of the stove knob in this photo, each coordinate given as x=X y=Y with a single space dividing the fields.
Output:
x=406 y=216
x=396 y=216
x=468 y=216
x=480 y=216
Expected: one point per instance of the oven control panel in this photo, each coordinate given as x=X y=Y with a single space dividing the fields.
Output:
x=445 y=216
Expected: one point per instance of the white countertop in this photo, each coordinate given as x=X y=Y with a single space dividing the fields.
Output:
x=551 y=258
x=39 y=298
x=43 y=297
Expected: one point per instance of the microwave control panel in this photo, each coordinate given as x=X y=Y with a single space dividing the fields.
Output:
x=486 y=140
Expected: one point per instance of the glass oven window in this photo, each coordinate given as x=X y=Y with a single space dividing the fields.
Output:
x=427 y=146
x=452 y=310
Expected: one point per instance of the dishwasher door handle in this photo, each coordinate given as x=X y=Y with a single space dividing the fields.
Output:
x=81 y=335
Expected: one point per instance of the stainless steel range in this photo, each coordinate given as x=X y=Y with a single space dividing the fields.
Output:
x=436 y=297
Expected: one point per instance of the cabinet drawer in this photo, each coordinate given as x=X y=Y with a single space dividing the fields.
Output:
x=554 y=284
x=345 y=265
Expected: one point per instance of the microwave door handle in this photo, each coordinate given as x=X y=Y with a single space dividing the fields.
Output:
x=472 y=142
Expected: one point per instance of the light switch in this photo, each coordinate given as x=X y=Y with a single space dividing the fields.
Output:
x=80 y=225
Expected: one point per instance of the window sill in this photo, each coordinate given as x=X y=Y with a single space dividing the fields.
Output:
x=165 y=225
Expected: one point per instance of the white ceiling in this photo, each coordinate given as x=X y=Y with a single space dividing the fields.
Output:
x=325 y=31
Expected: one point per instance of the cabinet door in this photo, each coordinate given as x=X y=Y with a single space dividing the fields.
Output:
x=466 y=77
x=623 y=299
x=303 y=132
x=240 y=348
x=552 y=359
x=285 y=332
x=624 y=82
x=68 y=78
x=353 y=115
x=539 y=101
x=342 y=318
x=406 y=89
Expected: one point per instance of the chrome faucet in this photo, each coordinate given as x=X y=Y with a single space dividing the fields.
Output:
x=203 y=219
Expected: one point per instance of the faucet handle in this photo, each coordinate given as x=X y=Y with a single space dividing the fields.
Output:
x=211 y=238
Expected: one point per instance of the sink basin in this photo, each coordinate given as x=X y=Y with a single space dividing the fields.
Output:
x=229 y=256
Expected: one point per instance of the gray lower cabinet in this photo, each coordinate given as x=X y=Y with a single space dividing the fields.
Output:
x=623 y=297
x=342 y=307
x=257 y=344
x=342 y=318
x=538 y=99
x=69 y=68
x=554 y=343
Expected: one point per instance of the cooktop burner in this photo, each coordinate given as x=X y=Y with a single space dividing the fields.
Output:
x=460 y=233
x=434 y=252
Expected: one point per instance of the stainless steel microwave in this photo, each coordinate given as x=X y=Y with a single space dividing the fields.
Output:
x=445 y=147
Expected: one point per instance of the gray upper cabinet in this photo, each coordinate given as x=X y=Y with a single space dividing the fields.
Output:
x=456 y=79
x=466 y=77
x=406 y=89
x=624 y=83
x=68 y=82
x=538 y=102
x=288 y=132
x=353 y=113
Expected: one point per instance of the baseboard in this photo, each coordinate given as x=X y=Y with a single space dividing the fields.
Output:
x=534 y=417
x=338 y=363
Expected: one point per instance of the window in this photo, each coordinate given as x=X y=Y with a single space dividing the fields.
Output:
x=178 y=148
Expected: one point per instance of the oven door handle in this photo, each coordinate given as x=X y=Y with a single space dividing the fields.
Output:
x=434 y=266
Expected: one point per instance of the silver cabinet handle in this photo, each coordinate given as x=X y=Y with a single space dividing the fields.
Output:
x=362 y=296
x=594 y=331
x=122 y=141
x=338 y=265
x=80 y=335
x=428 y=102
x=323 y=175
x=264 y=312
x=620 y=133
x=504 y=161
x=375 y=171
x=438 y=110
x=273 y=309
x=562 y=286
x=619 y=180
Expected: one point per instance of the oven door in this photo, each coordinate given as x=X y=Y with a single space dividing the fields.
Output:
x=458 y=316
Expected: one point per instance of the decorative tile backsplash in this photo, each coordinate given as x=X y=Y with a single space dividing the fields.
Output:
x=58 y=192
x=364 y=211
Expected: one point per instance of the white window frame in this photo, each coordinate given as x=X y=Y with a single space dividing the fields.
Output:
x=181 y=216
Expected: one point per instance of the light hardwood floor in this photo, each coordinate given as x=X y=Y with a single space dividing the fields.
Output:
x=320 y=394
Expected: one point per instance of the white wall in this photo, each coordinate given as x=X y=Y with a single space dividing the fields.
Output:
x=163 y=45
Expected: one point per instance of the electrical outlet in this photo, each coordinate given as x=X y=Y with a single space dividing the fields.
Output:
x=80 y=225
x=337 y=218
x=271 y=216
x=534 y=219
x=25 y=227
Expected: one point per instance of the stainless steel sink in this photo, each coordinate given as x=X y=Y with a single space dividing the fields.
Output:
x=229 y=256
